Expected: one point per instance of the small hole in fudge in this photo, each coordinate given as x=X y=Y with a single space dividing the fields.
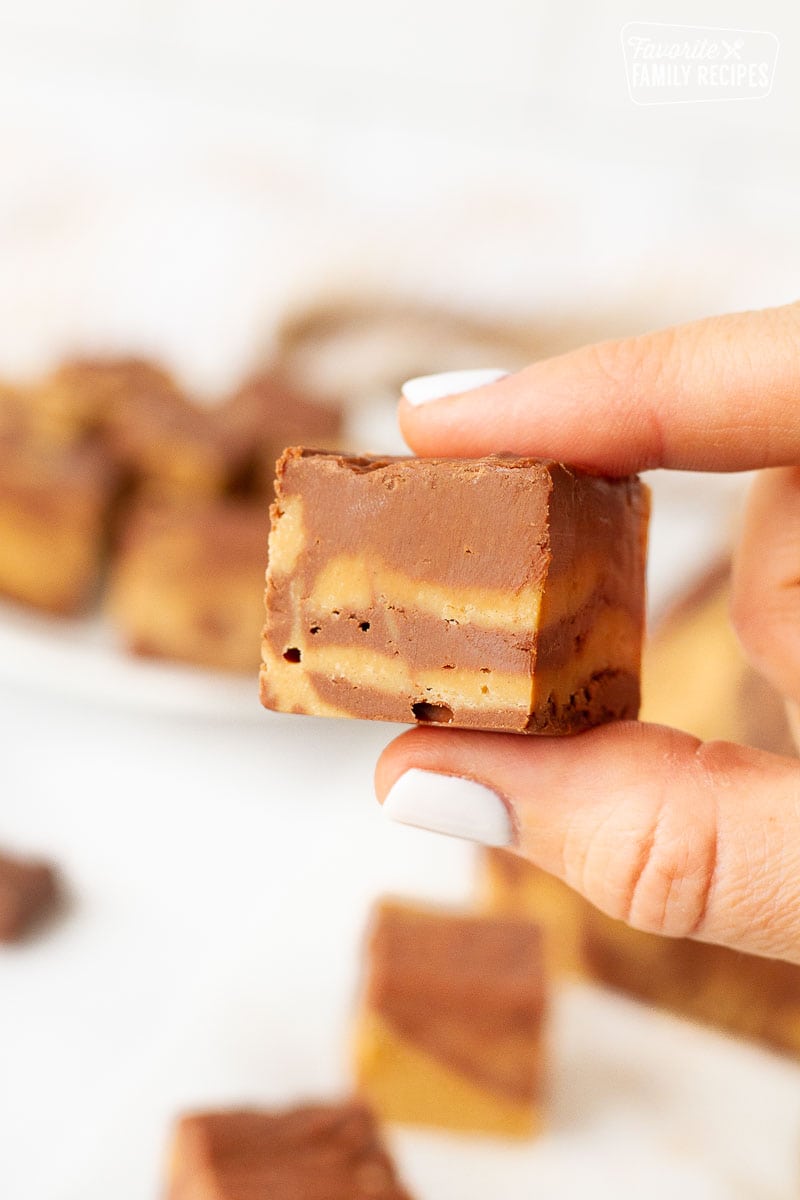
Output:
x=315 y=629
x=448 y=667
x=436 y=714
x=364 y=626
x=292 y=655
x=486 y=670
x=467 y=550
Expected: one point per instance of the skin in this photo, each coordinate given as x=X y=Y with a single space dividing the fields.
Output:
x=674 y=836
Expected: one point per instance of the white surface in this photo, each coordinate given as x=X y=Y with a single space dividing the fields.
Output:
x=79 y=659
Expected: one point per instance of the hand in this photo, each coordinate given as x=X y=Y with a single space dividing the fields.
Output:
x=672 y=835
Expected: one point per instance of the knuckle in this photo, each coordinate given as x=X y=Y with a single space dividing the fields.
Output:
x=667 y=871
x=640 y=375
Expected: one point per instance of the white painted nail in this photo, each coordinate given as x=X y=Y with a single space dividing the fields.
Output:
x=449 y=804
x=427 y=388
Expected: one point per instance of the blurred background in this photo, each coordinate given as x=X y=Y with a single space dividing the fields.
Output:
x=358 y=192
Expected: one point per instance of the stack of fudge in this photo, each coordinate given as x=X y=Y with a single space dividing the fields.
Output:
x=116 y=489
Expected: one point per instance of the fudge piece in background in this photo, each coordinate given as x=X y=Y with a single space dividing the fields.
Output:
x=449 y=1029
x=55 y=504
x=166 y=445
x=319 y=1152
x=695 y=676
x=188 y=582
x=83 y=395
x=270 y=413
x=28 y=893
x=495 y=593
x=16 y=411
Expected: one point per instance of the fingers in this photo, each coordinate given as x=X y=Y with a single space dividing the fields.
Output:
x=672 y=835
x=715 y=395
x=765 y=605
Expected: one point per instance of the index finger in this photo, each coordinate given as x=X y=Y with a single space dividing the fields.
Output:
x=714 y=395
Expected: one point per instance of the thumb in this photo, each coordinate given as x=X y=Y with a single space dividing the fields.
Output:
x=674 y=836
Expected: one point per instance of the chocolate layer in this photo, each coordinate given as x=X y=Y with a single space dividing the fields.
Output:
x=319 y=1152
x=28 y=892
x=468 y=990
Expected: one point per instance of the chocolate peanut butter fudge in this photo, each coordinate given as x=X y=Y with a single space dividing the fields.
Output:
x=83 y=395
x=450 y=1026
x=188 y=581
x=496 y=593
x=28 y=891
x=320 y=1152
x=170 y=446
x=271 y=413
x=54 y=508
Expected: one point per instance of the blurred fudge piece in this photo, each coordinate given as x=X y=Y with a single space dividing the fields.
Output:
x=449 y=1030
x=319 y=1152
x=511 y=886
x=188 y=581
x=495 y=593
x=753 y=997
x=269 y=413
x=28 y=893
x=695 y=676
x=167 y=446
x=83 y=395
x=54 y=510
x=16 y=410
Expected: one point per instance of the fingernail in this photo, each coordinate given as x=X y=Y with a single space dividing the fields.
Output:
x=449 y=804
x=427 y=388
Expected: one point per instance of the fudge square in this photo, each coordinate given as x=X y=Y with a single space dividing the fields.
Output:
x=319 y=1152
x=494 y=593
x=28 y=892
x=188 y=581
x=55 y=504
x=449 y=1031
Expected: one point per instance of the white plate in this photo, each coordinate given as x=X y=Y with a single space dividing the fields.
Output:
x=81 y=659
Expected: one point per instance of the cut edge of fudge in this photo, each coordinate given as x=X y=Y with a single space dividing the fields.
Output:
x=439 y=627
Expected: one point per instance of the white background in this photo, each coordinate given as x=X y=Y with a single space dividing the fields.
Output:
x=174 y=177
